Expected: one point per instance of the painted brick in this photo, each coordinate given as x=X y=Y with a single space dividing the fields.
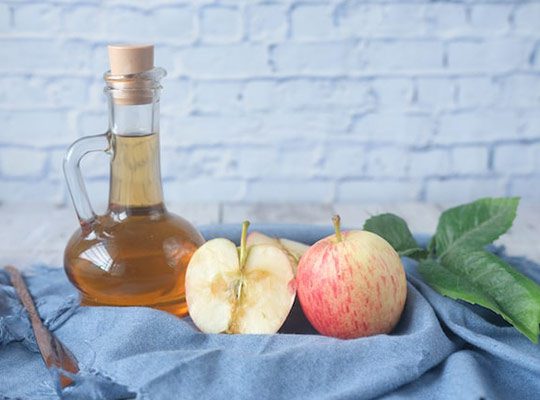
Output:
x=217 y=97
x=209 y=130
x=309 y=21
x=413 y=129
x=516 y=158
x=417 y=55
x=16 y=91
x=24 y=92
x=392 y=93
x=165 y=58
x=35 y=128
x=64 y=92
x=127 y=24
x=305 y=159
x=491 y=19
x=378 y=190
x=99 y=63
x=469 y=160
x=380 y=20
x=5 y=17
x=204 y=190
x=43 y=55
x=220 y=24
x=290 y=191
x=309 y=93
x=23 y=163
x=231 y=61
x=477 y=127
x=461 y=190
x=176 y=24
x=83 y=20
x=299 y=125
x=354 y=100
x=520 y=90
x=36 y=17
x=401 y=20
x=254 y=161
x=526 y=18
x=494 y=55
x=54 y=171
x=344 y=161
x=98 y=99
x=477 y=92
x=267 y=22
x=434 y=162
x=435 y=94
x=355 y=94
x=316 y=58
x=176 y=97
x=529 y=125
x=387 y=162
x=526 y=187
x=25 y=192
x=274 y=162
x=259 y=94
x=323 y=93
x=446 y=19
x=197 y=162
x=355 y=18
x=92 y=123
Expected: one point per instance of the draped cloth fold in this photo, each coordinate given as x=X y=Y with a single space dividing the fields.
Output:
x=441 y=348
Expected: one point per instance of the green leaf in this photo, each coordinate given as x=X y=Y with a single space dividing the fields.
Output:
x=396 y=232
x=482 y=278
x=474 y=225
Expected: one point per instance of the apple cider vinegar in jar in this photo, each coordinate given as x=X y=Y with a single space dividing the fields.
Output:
x=137 y=253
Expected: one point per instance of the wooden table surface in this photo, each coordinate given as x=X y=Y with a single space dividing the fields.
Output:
x=38 y=234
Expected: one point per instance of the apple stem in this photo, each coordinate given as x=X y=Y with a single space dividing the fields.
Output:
x=337 y=226
x=243 y=246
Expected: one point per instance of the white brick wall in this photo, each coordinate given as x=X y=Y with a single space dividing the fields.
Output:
x=285 y=100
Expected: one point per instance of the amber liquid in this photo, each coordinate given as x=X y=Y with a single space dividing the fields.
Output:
x=137 y=253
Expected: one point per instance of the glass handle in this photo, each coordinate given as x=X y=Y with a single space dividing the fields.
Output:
x=74 y=179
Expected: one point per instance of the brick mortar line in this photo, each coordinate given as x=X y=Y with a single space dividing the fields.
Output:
x=193 y=41
x=370 y=74
x=451 y=73
x=203 y=3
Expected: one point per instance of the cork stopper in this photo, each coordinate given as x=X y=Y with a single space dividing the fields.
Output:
x=126 y=59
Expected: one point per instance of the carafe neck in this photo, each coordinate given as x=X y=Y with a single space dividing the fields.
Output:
x=135 y=185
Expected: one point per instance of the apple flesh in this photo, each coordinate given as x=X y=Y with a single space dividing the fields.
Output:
x=351 y=284
x=295 y=250
x=246 y=291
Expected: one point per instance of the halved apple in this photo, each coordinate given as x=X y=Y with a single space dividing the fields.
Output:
x=246 y=290
x=294 y=249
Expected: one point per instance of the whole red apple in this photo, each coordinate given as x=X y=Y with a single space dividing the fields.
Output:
x=351 y=284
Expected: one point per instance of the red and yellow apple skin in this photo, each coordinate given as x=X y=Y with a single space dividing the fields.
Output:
x=352 y=285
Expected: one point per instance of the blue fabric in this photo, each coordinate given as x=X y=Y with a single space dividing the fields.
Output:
x=441 y=349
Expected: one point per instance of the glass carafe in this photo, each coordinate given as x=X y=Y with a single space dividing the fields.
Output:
x=136 y=253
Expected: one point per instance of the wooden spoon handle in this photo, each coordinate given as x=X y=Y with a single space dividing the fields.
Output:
x=53 y=352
